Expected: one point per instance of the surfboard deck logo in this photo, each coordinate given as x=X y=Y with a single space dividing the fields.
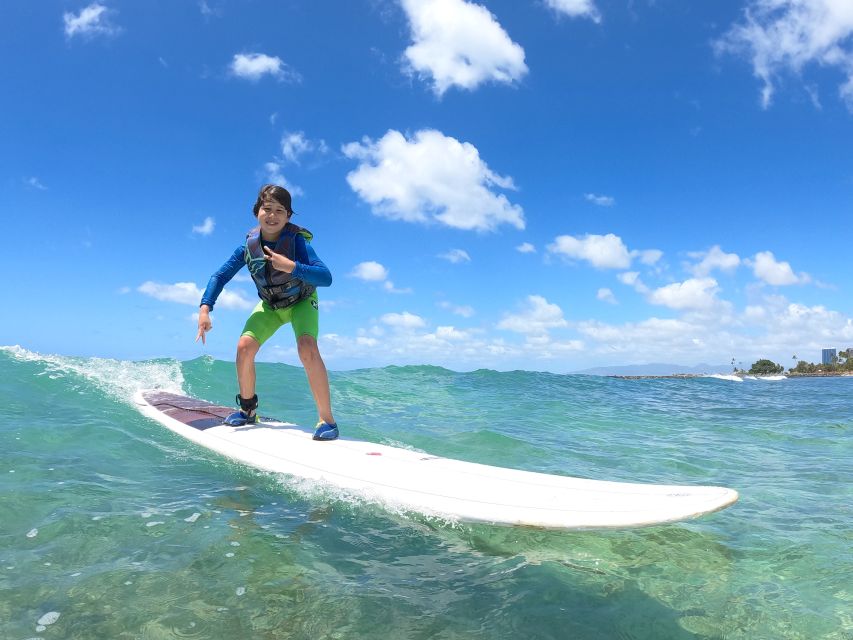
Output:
x=433 y=485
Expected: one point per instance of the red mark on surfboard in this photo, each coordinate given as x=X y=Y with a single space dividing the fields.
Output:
x=374 y=453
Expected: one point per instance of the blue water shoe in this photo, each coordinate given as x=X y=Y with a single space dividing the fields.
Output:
x=326 y=431
x=239 y=418
x=247 y=413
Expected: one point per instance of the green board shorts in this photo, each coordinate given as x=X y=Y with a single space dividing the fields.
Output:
x=265 y=321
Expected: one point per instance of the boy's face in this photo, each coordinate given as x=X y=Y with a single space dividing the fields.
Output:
x=272 y=216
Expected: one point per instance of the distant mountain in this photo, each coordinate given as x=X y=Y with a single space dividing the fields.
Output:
x=655 y=369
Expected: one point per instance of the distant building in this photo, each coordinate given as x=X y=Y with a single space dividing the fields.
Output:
x=828 y=356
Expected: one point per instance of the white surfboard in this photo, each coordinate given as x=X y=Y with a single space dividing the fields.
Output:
x=423 y=483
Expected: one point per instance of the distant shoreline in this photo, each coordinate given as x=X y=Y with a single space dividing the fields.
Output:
x=706 y=375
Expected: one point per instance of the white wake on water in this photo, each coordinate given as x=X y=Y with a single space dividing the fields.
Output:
x=119 y=379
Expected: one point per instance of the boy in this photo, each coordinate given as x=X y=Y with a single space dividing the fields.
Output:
x=286 y=272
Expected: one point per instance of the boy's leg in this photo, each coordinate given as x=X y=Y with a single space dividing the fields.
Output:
x=247 y=349
x=306 y=324
x=261 y=324
x=318 y=378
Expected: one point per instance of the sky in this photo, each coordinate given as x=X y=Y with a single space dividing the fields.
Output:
x=505 y=184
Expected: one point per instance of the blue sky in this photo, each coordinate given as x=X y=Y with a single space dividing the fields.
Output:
x=536 y=184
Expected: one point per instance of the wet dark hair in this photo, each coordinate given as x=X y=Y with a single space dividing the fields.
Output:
x=273 y=192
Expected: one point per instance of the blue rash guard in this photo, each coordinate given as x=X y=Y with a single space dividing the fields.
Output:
x=309 y=268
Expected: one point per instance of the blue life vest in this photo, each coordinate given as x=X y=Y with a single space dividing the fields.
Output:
x=277 y=288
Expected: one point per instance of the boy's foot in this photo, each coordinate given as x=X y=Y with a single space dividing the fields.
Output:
x=239 y=418
x=247 y=414
x=326 y=431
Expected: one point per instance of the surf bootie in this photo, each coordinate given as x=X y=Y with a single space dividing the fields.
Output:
x=247 y=413
x=326 y=431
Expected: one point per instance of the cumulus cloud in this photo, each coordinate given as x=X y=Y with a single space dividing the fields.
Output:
x=274 y=175
x=778 y=273
x=788 y=35
x=525 y=247
x=606 y=295
x=294 y=145
x=712 y=259
x=205 y=228
x=254 y=66
x=458 y=43
x=370 y=271
x=696 y=293
x=403 y=321
x=575 y=8
x=93 y=20
x=632 y=279
x=189 y=293
x=431 y=177
x=460 y=310
x=456 y=256
x=536 y=317
x=648 y=256
x=601 y=201
x=602 y=252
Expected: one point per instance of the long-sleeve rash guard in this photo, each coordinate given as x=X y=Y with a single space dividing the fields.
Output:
x=309 y=268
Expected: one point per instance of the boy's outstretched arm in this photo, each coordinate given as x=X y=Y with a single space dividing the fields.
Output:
x=215 y=285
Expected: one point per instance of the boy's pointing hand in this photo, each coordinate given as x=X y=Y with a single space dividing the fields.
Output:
x=278 y=261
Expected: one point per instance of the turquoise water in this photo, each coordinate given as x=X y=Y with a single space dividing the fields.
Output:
x=125 y=530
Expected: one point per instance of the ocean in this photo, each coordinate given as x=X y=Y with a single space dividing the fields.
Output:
x=113 y=527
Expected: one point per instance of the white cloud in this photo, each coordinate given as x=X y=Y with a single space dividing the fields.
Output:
x=93 y=20
x=451 y=333
x=460 y=310
x=575 y=8
x=602 y=252
x=254 y=66
x=773 y=272
x=456 y=256
x=388 y=285
x=205 y=228
x=430 y=177
x=525 y=247
x=648 y=256
x=370 y=271
x=34 y=183
x=457 y=43
x=275 y=176
x=207 y=11
x=714 y=258
x=696 y=293
x=294 y=145
x=632 y=279
x=535 y=318
x=403 y=321
x=606 y=295
x=787 y=35
x=189 y=293
x=601 y=201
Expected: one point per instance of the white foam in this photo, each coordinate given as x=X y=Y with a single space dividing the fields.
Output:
x=154 y=524
x=32 y=533
x=193 y=517
x=241 y=591
x=118 y=378
x=723 y=376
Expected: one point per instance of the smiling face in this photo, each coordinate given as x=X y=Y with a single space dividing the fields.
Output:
x=272 y=216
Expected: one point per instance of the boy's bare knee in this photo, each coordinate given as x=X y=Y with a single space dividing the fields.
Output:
x=307 y=347
x=247 y=347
